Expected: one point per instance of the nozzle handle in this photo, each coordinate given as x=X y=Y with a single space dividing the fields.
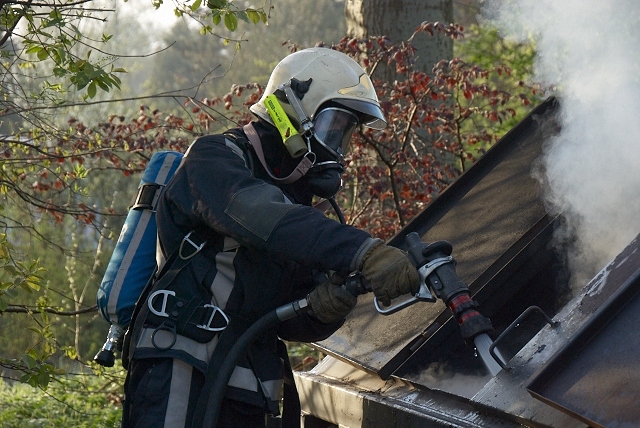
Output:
x=415 y=245
x=356 y=285
x=423 y=294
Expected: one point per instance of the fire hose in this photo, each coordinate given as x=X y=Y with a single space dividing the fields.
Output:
x=438 y=280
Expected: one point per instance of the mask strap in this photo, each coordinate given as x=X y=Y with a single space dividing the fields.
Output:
x=303 y=167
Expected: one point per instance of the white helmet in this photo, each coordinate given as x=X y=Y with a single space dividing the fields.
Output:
x=325 y=94
x=332 y=77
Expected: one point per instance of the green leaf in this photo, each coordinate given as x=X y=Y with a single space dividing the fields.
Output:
x=11 y=270
x=34 y=49
x=253 y=15
x=34 y=285
x=104 y=84
x=92 y=90
x=55 y=14
x=216 y=4
x=216 y=18
x=25 y=286
x=29 y=361
x=43 y=379
x=58 y=22
x=230 y=21
x=196 y=5
x=242 y=15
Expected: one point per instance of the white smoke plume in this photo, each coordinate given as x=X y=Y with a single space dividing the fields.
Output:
x=590 y=51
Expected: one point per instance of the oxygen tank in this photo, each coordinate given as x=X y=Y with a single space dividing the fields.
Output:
x=133 y=260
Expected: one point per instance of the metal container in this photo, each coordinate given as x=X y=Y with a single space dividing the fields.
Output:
x=412 y=368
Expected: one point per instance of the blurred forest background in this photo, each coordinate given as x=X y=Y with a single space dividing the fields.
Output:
x=64 y=193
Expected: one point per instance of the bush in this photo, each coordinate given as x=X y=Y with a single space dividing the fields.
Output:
x=80 y=401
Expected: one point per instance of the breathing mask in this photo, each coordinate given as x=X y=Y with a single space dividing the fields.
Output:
x=332 y=131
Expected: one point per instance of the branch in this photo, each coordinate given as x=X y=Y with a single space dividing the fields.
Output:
x=9 y=31
x=45 y=4
x=27 y=310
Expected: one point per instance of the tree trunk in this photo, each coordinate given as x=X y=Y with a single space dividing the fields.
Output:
x=398 y=19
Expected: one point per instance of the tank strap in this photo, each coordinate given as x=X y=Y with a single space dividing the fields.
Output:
x=147 y=197
x=291 y=401
x=174 y=264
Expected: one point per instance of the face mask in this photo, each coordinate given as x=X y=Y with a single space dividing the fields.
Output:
x=332 y=130
x=324 y=183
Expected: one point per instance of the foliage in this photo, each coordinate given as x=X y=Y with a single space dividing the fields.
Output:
x=22 y=275
x=81 y=400
x=485 y=47
x=57 y=33
x=439 y=124
x=200 y=69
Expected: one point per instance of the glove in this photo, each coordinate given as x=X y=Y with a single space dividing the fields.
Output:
x=330 y=303
x=390 y=273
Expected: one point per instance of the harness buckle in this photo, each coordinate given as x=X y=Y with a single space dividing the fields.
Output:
x=171 y=328
x=216 y=310
x=196 y=247
x=165 y=298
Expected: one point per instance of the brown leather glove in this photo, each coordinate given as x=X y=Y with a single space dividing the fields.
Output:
x=390 y=273
x=330 y=303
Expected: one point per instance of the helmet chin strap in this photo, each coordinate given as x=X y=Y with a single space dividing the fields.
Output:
x=303 y=167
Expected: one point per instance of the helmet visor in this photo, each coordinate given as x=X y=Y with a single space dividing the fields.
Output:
x=371 y=115
x=333 y=127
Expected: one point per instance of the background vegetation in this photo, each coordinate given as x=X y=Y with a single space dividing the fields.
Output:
x=76 y=130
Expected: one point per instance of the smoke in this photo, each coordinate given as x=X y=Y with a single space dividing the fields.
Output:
x=443 y=377
x=589 y=50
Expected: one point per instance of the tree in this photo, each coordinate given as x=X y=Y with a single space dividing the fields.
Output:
x=398 y=20
x=52 y=61
x=212 y=67
x=439 y=124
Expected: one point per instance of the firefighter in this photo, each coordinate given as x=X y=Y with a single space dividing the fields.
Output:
x=238 y=237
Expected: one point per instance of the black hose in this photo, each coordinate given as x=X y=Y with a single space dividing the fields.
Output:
x=337 y=209
x=209 y=417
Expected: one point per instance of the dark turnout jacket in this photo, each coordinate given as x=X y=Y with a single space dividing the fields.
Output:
x=264 y=248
